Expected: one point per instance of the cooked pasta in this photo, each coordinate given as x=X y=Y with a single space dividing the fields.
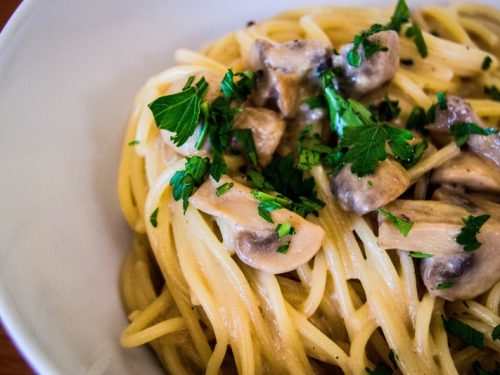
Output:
x=354 y=305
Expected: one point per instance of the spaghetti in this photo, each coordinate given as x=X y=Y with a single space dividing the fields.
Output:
x=353 y=306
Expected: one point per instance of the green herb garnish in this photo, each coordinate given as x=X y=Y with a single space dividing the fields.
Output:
x=386 y=110
x=284 y=229
x=493 y=92
x=495 y=334
x=283 y=248
x=223 y=188
x=153 y=218
x=239 y=90
x=179 y=112
x=414 y=32
x=354 y=56
x=461 y=131
x=486 y=63
x=417 y=120
x=185 y=182
x=246 y=141
x=441 y=97
x=420 y=255
x=464 y=332
x=403 y=225
x=134 y=142
x=444 y=286
x=467 y=237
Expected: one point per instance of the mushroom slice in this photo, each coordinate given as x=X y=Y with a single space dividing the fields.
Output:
x=475 y=204
x=373 y=72
x=255 y=240
x=457 y=111
x=267 y=128
x=468 y=274
x=435 y=227
x=213 y=91
x=365 y=194
x=470 y=171
x=288 y=72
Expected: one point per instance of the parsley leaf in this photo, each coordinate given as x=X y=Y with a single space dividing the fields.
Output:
x=417 y=119
x=495 y=334
x=241 y=89
x=486 y=63
x=403 y=225
x=381 y=369
x=134 y=142
x=223 y=188
x=245 y=139
x=367 y=146
x=415 y=33
x=186 y=181
x=444 y=286
x=284 y=229
x=464 y=332
x=386 y=110
x=283 y=248
x=461 y=131
x=417 y=152
x=258 y=180
x=317 y=101
x=493 y=92
x=400 y=16
x=310 y=151
x=420 y=255
x=179 y=112
x=153 y=218
x=441 y=97
x=354 y=56
x=467 y=237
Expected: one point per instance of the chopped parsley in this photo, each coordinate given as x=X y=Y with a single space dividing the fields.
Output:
x=310 y=151
x=420 y=255
x=317 y=101
x=153 y=218
x=179 y=112
x=185 y=182
x=403 y=225
x=245 y=139
x=486 y=63
x=417 y=153
x=135 y=142
x=241 y=89
x=354 y=56
x=441 y=97
x=381 y=369
x=493 y=92
x=495 y=334
x=223 y=188
x=417 y=119
x=463 y=332
x=400 y=16
x=472 y=226
x=283 y=248
x=284 y=229
x=386 y=110
x=414 y=32
x=461 y=131
x=444 y=286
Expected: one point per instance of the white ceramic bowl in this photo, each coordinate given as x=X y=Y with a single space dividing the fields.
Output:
x=69 y=71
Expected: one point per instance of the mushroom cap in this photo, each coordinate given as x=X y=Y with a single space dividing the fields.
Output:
x=255 y=240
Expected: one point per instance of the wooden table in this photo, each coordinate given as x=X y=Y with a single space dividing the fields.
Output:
x=11 y=363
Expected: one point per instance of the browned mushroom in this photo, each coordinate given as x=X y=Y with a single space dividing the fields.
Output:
x=373 y=72
x=436 y=225
x=288 y=72
x=470 y=171
x=254 y=239
x=365 y=194
x=457 y=111
x=267 y=129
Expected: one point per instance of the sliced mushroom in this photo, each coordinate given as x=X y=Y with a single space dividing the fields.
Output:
x=457 y=111
x=365 y=194
x=267 y=129
x=213 y=91
x=374 y=71
x=289 y=71
x=435 y=227
x=255 y=240
x=468 y=274
x=470 y=171
x=475 y=204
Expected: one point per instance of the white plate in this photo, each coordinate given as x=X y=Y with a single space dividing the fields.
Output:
x=69 y=71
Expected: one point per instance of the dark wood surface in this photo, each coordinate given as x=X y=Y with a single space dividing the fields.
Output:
x=11 y=362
